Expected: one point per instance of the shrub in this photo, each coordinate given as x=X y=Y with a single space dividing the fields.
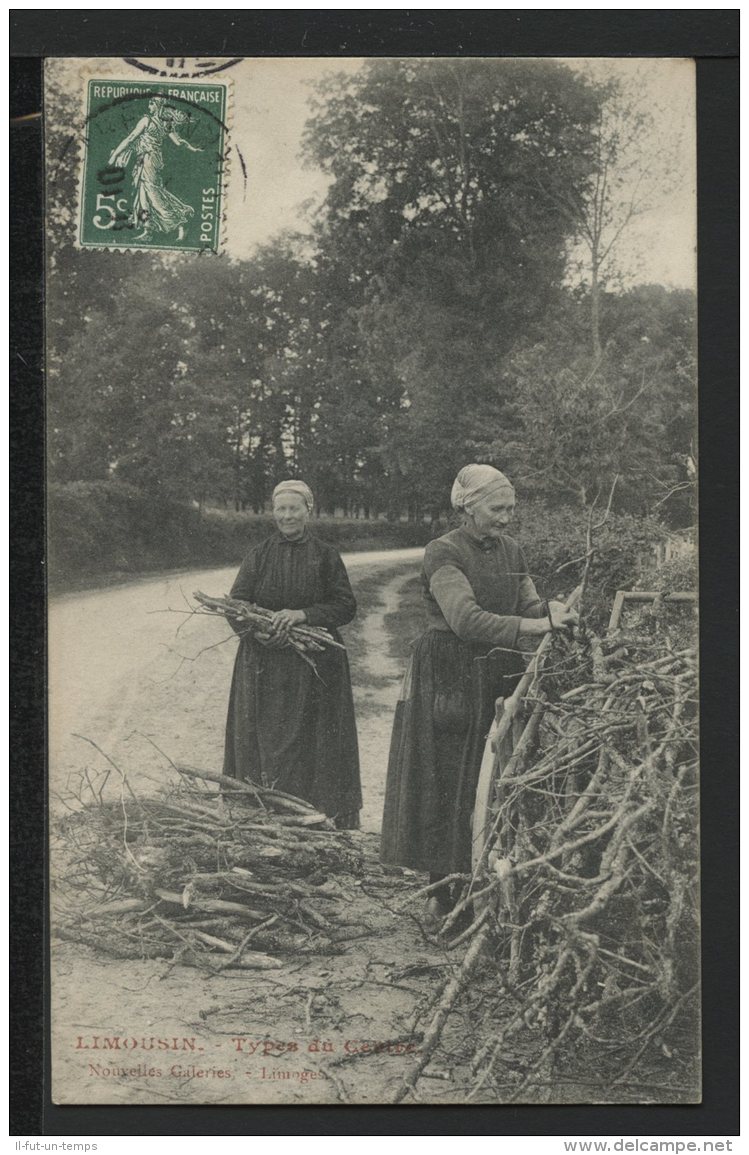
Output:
x=98 y=528
x=680 y=573
x=554 y=542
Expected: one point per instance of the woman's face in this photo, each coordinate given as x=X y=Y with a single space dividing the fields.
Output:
x=291 y=514
x=492 y=514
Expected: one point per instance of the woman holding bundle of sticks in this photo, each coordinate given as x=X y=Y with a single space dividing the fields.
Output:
x=291 y=726
x=483 y=612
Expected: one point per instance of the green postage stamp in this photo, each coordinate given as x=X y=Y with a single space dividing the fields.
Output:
x=154 y=165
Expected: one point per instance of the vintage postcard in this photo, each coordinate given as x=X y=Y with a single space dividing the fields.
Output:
x=372 y=469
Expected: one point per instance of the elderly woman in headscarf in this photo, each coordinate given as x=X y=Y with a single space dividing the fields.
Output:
x=289 y=727
x=482 y=611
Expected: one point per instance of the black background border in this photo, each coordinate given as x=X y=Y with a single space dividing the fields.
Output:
x=712 y=38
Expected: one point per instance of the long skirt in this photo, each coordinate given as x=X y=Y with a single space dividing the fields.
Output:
x=441 y=723
x=294 y=730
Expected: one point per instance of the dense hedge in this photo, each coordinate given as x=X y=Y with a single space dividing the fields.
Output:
x=99 y=529
x=681 y=573
x=554 y=541
x=555 y=545
x=102 y=528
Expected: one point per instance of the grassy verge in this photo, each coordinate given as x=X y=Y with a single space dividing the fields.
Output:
x=400 y=627
x=406 y=623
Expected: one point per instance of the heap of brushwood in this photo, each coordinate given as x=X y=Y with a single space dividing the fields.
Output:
x=212 y=873
x=249 y=618
x=583 y=944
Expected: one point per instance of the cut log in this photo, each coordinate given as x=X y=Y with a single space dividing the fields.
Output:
x=213 y=905
x=232 y=784
x=249 y=959
x=124 y=906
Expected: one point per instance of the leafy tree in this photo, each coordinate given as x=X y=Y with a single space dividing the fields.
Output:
x=428 y=321
x=126 y=355
x=432 y=160
x=630 y=414
x=632 y=167
x=440 y=243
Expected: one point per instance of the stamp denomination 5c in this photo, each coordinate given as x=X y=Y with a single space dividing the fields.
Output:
x=154 y=165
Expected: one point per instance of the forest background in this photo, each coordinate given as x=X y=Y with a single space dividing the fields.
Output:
x=464 y=288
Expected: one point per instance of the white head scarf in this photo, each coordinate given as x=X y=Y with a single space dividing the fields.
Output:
x=474 y=483
x=295 y=486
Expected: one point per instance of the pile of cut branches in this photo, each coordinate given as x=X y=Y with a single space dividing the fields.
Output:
x=251 y=619
x=207 y=878
x=584 y=935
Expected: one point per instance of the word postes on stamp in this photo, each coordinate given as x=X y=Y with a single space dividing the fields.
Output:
x=154 y=165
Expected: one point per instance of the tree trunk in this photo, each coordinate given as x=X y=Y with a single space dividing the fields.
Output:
x=595 y=309
x=238 y=465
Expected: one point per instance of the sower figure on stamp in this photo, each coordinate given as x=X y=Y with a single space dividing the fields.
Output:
x=289 y=726
x=154 y=207
x=481 y=606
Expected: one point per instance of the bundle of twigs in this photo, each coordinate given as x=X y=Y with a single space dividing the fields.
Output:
x=584 y=911
x=208 y=878
x=250 y=618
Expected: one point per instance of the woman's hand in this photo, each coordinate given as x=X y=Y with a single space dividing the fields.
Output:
x=560 y=617
x=270 y=641
x=282 y=621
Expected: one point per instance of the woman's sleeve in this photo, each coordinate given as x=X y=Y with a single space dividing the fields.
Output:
x=246 y=579
x=530 y=605
x=244 y=586
x=338 y=604
x=453 y=593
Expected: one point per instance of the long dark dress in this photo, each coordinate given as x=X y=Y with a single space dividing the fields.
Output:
x=475 y=595
x=286 y=727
